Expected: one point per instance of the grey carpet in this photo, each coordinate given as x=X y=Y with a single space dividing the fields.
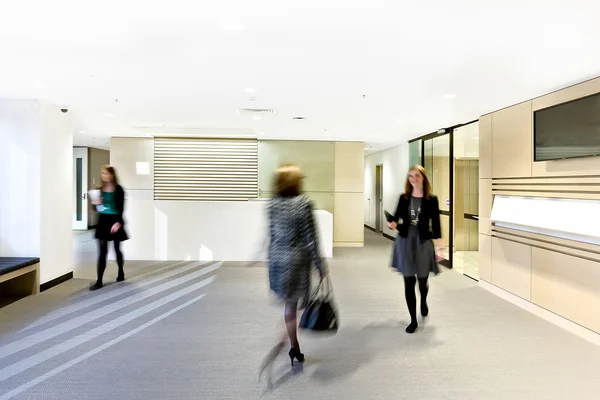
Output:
x=473 y=346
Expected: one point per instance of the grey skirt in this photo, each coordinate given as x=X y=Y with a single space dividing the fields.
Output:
x=413 y=256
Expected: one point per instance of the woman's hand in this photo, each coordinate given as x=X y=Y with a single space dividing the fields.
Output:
x=439 y=250
x=392 y=225
x=115 y=228
x=97 y=202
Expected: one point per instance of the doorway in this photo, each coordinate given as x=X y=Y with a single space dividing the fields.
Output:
x=379 y=198
x=80 y=185
x=451 y=159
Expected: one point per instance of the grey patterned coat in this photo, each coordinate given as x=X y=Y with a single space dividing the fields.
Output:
x=293 y=247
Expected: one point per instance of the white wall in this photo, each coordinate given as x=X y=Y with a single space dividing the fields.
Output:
x=36 y=162
x=19 y=178
x=56 y=193
x=395 y=167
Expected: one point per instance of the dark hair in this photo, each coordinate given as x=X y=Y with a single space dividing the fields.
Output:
x=111 y=170
x=426 y=184
x=288 y=180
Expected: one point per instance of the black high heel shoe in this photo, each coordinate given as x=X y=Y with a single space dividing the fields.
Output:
x=297 y=355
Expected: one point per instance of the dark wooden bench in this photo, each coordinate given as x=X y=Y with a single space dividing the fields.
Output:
x=19 y=278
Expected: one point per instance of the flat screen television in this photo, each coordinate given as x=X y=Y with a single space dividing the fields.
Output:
x=567 y=130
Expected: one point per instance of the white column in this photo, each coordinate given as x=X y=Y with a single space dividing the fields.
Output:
x=36 y=185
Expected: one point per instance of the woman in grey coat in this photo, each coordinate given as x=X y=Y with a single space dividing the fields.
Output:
x=293 y=248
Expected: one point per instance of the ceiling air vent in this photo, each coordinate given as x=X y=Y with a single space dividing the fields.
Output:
x=262 y=112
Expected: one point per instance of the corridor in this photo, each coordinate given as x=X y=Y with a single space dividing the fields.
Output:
x=199 y=331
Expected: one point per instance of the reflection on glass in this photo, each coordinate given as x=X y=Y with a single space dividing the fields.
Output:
x=437 y=164
x=466 y=200
x=414 y=153
x=315 y=159
x=78 y=189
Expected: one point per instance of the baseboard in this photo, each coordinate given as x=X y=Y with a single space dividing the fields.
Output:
x=348 y=244
x=385 y=235
x=56 y=281
x=568 y=325
x=370 y=228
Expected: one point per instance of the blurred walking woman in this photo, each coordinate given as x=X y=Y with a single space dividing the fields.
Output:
x=417 y=219
x=110 y=222
x=293 y=249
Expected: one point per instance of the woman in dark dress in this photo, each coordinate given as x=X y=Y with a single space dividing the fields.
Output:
x=110 y=224
x=417 y=219
x=293 y=249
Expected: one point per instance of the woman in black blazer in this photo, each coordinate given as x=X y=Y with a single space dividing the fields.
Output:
x=417 y=219
x=110 y=222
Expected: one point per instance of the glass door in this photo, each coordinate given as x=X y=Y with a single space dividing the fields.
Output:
x=80 y=187
x=466 y=200
x=436 y=161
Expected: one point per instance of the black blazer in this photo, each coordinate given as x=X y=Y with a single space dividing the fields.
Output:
x=120 y=202
x=429 y=220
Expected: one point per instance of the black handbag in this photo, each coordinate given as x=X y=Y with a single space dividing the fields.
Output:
x=320 y=315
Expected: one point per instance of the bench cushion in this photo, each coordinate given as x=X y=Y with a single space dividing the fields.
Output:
x=10 y=264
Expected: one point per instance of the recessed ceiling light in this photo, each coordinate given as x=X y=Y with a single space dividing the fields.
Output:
x=250 y=90
x=109 y=115
x=450 y=96
x=399 y=121
x=81 y=132
x=261 y=133
x=257 y=118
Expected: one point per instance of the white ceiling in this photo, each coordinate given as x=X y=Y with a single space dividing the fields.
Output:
x=378 y=71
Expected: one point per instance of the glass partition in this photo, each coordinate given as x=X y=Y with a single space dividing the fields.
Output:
x=436 y=160
x=466 y=200
x=316 y=159
x=414 y=153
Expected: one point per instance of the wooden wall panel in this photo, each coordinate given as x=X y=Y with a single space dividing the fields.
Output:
x=511 y=267
x=485 y=258
x=512 y=152
x=349 y=167
x=485 y=206
x=567 y=94
x=348 y=220
x=568 y=286
x=485 y=146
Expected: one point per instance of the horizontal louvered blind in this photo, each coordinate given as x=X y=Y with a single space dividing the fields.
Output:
x=205 y=169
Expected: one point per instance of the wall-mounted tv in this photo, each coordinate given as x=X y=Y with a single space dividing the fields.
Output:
x=567 y=130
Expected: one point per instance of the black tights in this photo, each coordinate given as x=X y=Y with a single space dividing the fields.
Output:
x=103 y=244
x=290 y=314
x=411 y=298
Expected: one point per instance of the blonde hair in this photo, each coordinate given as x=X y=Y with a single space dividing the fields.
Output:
x=288 y=180
x=408 y=189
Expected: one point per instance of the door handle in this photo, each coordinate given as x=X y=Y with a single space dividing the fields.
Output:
x=84 y=196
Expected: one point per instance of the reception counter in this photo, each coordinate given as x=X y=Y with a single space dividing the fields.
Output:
x=207 y=231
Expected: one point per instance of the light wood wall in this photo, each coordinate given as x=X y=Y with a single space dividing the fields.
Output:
x=559 y=275
x=348 y=194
